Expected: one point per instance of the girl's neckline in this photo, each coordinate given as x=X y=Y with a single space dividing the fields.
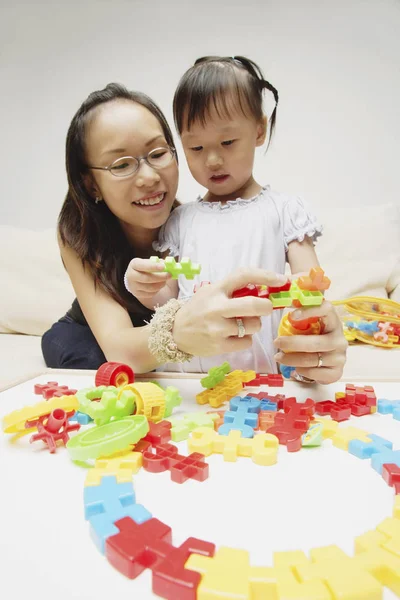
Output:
x=231 y=204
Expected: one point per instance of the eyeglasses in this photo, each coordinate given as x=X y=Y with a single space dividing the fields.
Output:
x=128 y=165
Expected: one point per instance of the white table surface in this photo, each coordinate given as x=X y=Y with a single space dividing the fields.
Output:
x=312 y=498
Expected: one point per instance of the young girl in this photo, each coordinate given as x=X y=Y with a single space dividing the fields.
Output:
x=238 y=223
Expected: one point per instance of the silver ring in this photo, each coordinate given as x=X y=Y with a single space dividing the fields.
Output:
x=241 y=328
x=320 y=363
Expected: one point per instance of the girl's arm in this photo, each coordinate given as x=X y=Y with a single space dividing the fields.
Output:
x=301 y=257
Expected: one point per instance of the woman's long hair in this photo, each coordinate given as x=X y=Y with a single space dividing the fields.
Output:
x=91 y=229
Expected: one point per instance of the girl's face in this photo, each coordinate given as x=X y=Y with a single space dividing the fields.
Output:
x=143 y=200
x=220 y=154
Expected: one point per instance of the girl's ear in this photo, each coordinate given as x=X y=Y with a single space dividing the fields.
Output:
x=261 y=131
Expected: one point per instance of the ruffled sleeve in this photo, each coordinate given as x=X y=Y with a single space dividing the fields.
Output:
x=299 y=221
x=168 y=237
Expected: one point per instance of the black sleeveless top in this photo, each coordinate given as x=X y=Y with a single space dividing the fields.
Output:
x=139 y=314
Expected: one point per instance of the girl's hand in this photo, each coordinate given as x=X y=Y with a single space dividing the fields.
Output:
x=145 y=278
x=206 y=325
x=304 y=351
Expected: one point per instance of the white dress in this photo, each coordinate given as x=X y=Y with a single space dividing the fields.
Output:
x=241 y=233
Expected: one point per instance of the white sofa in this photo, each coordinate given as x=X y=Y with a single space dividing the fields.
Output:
x=360 y=252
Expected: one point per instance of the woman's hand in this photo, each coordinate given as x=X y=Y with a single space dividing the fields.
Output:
x=206 y=325
x=305 y=351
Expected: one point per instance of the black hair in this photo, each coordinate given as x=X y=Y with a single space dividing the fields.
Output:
x=207 y=82
x=91 y=229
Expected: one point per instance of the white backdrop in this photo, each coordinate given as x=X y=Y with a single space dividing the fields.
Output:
x=336 y=64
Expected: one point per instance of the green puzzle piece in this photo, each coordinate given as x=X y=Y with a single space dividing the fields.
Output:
x=109 y=407
x=306 y=298
x=172 y=399
x=215 y=375
x=185 y=267
x=183 y=426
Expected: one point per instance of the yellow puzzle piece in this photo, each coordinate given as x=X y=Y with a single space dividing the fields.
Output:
x=263 y=448
x=343 y=436
x=345 y=579
x=123 y=466
x=15 y=421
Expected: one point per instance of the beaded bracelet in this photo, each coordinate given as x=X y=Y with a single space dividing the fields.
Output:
x=161 y=343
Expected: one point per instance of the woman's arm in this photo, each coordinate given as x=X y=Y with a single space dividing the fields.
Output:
x=108 y=320
x=204 y=326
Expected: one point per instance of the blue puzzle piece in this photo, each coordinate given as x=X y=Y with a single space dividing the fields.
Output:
x=366 y=449
x=107 y=497
x=286 y=370
x=252 y=405
x=368 y=327
x=389 y=407
x=102 y=526
x=385 y=457
x=243 y=416
x=81 y=418
x=268 y=405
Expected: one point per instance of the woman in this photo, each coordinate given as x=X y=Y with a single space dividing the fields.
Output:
x=123 y=176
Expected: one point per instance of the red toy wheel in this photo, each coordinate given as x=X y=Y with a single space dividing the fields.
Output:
x=114 y=373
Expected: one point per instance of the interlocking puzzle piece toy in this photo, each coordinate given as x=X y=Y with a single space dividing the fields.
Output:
x=385 y=457
x=290 y=426
x=391 y=474
x=107 y=503
x=53 y=429
x=121 y=465
x=108 y=439
x=20 y=420
x=272 y=379
x=113 y=403
x=372 y=556
x=182 y=426
x=363 y=449
x=51 y=388
x=227 y=575
x=341 y=574
x=389 y=407
x=337 y=412
x=149 y=546
x=263 y=448
x=81 y=418
x=226 y=389
x=172 y=400
x=165 y=457
x=215 y=375
x=316 y=281
x=266 y=419
x=185 y=267
x=242 y=416
x=114 y=373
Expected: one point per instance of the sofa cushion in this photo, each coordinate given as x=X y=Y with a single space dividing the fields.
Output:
x=35 y=288
x=360 y=251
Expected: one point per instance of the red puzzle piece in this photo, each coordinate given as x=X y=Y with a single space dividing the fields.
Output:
x=159 y=433
x=290 y=425
x=165 y=457
x=272 y=379
x=391 y=474
x=51 y=388
x=149 y=546
x=338 y=412
x=171 y=580
x=54 y=427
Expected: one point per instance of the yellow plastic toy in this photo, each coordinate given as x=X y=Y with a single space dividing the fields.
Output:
x=374 y=321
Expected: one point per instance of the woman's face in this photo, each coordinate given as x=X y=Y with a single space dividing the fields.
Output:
x=143 y=200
